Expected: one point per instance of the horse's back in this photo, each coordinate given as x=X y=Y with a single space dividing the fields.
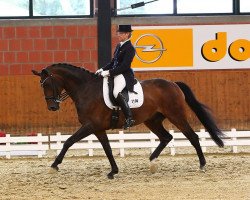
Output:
x=158 y=85
x=162 y=92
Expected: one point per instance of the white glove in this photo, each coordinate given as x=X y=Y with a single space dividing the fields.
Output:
x=99 y=71
x=105 y=73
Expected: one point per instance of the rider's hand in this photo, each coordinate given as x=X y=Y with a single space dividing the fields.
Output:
x=105 y=73
x=99 y=71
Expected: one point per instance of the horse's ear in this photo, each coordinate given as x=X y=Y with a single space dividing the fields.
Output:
x=36 y=73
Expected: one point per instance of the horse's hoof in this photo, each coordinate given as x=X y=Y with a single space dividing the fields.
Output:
x=153 y=166
x=110 y=176
x=112 y=173
x=53 y=170
x=202 y=169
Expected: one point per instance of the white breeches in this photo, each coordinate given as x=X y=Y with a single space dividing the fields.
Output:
x=119 y=84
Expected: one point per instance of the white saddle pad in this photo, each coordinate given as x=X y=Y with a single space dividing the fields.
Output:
x=135 y=100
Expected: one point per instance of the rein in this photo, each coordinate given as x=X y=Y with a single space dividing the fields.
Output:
x=55 y=97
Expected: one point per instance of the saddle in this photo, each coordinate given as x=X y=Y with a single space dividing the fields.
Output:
x=135 y=99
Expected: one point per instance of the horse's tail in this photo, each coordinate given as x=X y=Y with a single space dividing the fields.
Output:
x=203 y=114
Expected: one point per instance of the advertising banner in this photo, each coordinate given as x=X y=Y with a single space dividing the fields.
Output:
x=191 y=47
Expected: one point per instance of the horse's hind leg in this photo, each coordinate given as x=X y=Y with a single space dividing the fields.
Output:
x=181 y=123
x=103 y=139
x=155 y=125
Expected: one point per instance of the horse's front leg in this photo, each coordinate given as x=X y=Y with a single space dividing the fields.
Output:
x=83 y=132
x=103 y=138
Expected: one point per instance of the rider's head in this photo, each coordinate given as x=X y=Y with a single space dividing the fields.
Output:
x=124 y=32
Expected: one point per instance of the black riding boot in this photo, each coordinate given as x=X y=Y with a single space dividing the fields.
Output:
x=126 y=111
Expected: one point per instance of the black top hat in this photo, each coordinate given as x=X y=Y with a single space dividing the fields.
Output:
x=124 y=28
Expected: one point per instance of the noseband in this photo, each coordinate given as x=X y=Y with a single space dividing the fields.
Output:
x=58 y=98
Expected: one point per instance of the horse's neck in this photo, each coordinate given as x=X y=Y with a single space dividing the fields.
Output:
x=71 y=81
x=74 y=82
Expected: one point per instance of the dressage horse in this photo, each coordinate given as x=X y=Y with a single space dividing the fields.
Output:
x=162 y=100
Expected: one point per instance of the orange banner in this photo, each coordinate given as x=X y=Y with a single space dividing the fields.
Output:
x=163 y=48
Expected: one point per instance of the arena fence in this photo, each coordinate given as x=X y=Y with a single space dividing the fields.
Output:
x=24 y=145
x=39 y=145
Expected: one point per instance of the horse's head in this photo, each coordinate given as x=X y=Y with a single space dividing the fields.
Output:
x=52 y=88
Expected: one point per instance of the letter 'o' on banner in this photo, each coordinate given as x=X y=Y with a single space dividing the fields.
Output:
x=240 y=50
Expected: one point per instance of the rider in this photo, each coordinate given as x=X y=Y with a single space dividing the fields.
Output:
x=120 y=69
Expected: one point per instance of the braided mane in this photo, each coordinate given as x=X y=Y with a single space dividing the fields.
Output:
x=73 y=67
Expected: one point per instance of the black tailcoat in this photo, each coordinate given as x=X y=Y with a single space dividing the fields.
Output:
x=121 y=63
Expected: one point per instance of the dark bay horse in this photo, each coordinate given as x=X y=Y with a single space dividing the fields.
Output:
x=163 y=100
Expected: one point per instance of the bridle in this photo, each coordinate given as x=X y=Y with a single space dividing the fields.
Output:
x=56 y=97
